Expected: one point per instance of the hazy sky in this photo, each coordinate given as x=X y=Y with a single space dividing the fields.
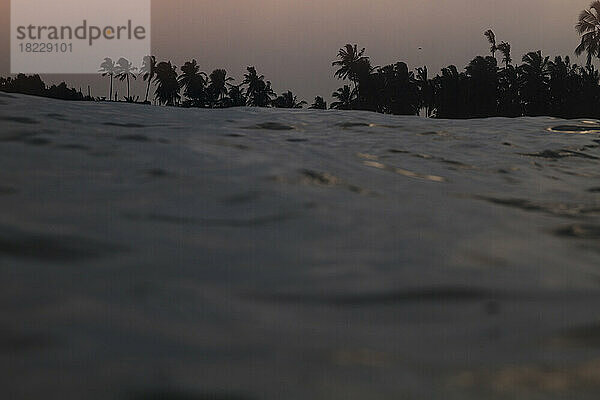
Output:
x=292 y=42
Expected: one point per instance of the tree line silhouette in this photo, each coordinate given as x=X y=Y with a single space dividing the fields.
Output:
x=194 y=88
x=34 y=85
x=539 y=86
x=487 y=87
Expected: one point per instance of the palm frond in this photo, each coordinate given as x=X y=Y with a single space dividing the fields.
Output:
x=595 y=6
x=491 y=37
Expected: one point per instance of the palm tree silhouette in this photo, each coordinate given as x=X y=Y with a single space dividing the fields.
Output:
x=288 y=100
x=482 y=86
x=235 y=96
x=534 y=79
x=365 y=85
x=491 y=37
x=167 y=90
x=426 y=90
x=258 y=92
x=391 y=89
x=588 y=28
x=504 y=48
x=217 y=87
x=449 y=97
x=344 y=96
x=564 y=86
x=349 y=59
x=125 y=70
x=193 y=83
x=319 y=104
x=148 y=71
x=509 y=100
x=251 y=79
x=107 y=68
x=589 y=91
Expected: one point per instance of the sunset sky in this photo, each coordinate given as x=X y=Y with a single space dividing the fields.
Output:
x=292 y=42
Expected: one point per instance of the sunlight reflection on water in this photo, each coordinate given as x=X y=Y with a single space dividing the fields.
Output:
x=576 y=128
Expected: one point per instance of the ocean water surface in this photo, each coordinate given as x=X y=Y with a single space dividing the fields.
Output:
x=151 y=252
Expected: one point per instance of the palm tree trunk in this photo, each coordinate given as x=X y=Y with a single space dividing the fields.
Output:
x=127 y=87
x=147 y=91
x=111 y=88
